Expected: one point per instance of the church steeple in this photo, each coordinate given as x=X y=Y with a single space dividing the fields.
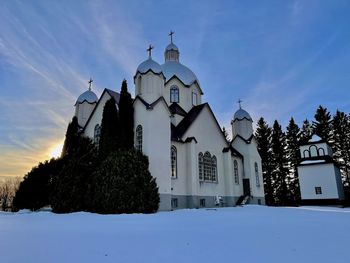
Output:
x=171 y=51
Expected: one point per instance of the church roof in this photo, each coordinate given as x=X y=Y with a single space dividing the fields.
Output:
x=241 y=114
x=171 y=46
x=88 y=96
x=176 y=109
x=183 y=73
x=149 y=65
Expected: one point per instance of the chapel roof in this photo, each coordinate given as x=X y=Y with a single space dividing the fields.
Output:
x=87 y=96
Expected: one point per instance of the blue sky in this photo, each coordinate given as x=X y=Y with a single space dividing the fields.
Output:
x=282 y=58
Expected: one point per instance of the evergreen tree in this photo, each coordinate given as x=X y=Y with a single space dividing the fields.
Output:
x=123 y=184
x=110 y=130
x=306 y=132
x=126 y=118
x=263 y=138
x=72 y=135
x=70 y=186
x=35 y=189
x=280 y=162
x=293 y=137
x=323 y=124
x=341 y=146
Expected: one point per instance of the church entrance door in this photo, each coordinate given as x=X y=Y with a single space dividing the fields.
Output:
x=246 y=187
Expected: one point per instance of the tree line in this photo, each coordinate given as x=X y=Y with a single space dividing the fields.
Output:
x=111 y=177
x=279 y=151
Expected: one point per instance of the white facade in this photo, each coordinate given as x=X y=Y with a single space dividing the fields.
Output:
x=319 y=177
x=192 y=162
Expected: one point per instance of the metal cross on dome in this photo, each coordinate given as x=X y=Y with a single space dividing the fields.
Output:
x=239 y=103
x=90 y=82
x=171 y=35
x=149 y=49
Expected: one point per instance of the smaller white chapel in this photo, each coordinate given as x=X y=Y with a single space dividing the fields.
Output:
x=189 y=156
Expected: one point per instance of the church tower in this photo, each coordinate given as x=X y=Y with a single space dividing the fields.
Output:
x=242 y=123
x=84 y=105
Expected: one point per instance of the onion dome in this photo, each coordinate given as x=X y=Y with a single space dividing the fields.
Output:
x=242 y=114
x=183 y=73
x=149 y=65
x=88 y=96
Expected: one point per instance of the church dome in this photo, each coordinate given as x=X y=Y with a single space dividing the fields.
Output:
x=88 y=96
x=242 y=114
x=175 y=68
x=171 y=46
x=149 y=65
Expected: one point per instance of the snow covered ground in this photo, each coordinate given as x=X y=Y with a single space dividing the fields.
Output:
x=242 y=234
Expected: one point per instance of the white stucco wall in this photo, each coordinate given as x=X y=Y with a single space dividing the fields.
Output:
x=149 y=86
x=83 y=112
x=319 y=175
x=243 y=128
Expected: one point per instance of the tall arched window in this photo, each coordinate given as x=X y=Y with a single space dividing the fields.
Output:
x=200 y=166
x=97 y=134
x=313 y=150
x=174 y=94
x=213 y=169
x=257 y=174
x=173 y=162
x=207 y=166
x=138 y=143
x=235 y=170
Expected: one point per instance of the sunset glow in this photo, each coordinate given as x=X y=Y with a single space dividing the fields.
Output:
x=56 y=150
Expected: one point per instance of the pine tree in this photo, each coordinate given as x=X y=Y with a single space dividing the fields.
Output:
x=293 y=137
x=306 y=132
x=72 y=135
x=126 y=118
x=323 y=124
x=280 y=162
x=263 y=138
x=110 y=129
x=341 y=146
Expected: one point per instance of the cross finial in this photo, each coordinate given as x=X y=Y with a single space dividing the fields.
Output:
x=90 y=82
x=149 y=49
x=171 y=35
x=239 y=103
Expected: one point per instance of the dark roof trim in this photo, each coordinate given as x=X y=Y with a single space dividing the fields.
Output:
x=84 y=101
x=194 y=82
x=150 y=70
x=110 y=92
x=233 y=151
x=151 y=106
x=190 y=139
x=247 y=141
x=310 y=143
x=241 y=119
x=175 y=108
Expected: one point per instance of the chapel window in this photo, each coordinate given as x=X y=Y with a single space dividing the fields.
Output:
x=200 y=166
x=213 y=169
x=235 y=170
x=138 y=144
x=257 y=179
x=97 y=134
x=313 y=150
x=194 y=99
x=174 y=94
x=173 y=162
x=207 y=166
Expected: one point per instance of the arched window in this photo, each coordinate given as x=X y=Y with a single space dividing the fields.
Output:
x=173 y=162
x=207 y=166
x=213 y=169
x=235 y=170
x=257 y=174
x=321 y=152
x=174 y=94
x=200 y=166
x=313 y=150
x=306 y=153
x=138 y=144
x=97 y=134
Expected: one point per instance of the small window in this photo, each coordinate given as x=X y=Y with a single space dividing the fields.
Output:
x=194 y=99
x=321 y=152
x=213 y=169
x=259 y=201
x=174 y=94
x=174 y=203
x=235 y=168
x=202 y=202
x=318 y=190
x=138 y=144
x=173 y=162
x=257 y=179
x=200 y=166
x=97 y=134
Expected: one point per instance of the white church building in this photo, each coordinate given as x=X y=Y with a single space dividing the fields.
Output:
x=189 y=156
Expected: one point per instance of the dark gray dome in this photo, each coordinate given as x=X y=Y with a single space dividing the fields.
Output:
x=242 y=114
x=147 y=65
x=88 y=96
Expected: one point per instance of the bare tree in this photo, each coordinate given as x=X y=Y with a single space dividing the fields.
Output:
x=8 y=188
